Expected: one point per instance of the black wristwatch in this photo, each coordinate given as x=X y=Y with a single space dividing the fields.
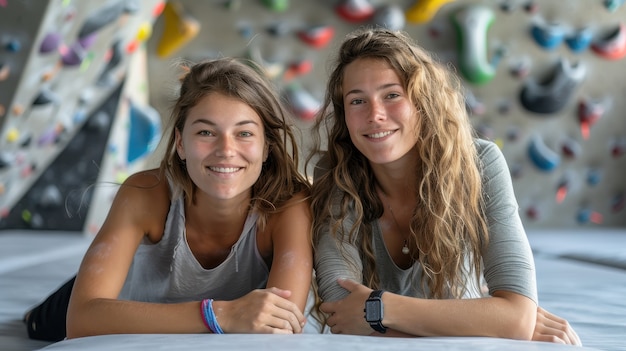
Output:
x=374 y=311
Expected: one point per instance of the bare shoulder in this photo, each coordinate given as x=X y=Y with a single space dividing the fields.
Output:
x=145 y=199
x=299 y=200
x=297 y=208
x=145 y=179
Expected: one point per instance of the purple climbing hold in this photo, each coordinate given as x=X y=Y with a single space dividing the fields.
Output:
x=73 y=55
x=87 y=41
x=50 y=43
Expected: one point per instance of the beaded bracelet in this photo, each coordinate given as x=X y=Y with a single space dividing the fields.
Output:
x=208 y=317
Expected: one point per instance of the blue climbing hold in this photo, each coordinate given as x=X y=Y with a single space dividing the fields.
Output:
x=144 y=133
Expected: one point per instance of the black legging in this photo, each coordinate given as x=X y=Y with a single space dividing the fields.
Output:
x=47 y=321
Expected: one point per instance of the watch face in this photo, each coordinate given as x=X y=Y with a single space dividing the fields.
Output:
x=372 y=310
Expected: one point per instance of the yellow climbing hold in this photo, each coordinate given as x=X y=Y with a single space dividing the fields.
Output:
x=144 y=31
x=424 y=10
x=12 y=135
x=178 y=29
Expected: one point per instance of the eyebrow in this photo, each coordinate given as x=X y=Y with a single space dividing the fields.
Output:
x=382 y=87
x=211 y=123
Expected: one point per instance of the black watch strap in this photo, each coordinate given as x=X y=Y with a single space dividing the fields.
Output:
x=378 y=324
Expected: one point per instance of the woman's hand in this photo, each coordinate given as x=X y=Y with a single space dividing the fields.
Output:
x=346 y=315
x=263 y=311
x=552 y=328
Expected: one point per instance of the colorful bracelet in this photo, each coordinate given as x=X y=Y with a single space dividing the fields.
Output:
x=208 y=317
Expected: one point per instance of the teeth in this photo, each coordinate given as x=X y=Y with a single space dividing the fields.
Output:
x=224 y=169
x=379 y=135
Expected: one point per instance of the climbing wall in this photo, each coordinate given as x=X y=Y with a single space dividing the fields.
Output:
x=61 y=62
x=545 y=79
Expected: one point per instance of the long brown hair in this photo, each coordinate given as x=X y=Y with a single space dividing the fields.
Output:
x=448 y=225
x=280 y=178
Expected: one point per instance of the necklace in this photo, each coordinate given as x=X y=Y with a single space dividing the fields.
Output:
x=405 y=246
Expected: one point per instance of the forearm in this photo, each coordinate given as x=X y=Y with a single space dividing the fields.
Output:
x=511 y=317
x=108 y=316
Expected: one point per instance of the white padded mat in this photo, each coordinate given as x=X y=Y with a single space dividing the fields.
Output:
x=590 y=295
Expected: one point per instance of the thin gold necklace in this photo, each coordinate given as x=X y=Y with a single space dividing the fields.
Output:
x=405 y=246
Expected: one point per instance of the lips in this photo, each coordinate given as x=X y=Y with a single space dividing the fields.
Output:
x=225 y=169
x=379 y=135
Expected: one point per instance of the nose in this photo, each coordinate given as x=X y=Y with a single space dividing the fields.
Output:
x=376 y=111
x=225 y=146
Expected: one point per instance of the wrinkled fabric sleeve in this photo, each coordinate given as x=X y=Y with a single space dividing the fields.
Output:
x=508 y=259
x=334 y=259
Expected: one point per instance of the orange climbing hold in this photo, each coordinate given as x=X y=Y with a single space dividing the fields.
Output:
x=178 y=29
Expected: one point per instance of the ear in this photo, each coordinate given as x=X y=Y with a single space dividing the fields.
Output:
x=180 y=149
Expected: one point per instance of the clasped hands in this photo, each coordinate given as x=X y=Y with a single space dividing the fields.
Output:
x=264 y=311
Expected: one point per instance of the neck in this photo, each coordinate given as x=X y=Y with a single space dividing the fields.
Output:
x=218 y=218
x=397 y=179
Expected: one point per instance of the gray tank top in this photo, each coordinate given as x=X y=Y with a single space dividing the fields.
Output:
x=168 y=272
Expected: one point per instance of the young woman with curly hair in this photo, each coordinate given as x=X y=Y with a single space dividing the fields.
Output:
x=411 y=210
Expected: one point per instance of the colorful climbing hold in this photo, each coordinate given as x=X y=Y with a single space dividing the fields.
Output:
x=552 y=93
x=317 y=36
x=144 y=32
x=50 y=43
x=303 y=103
x=594 y=177
x=618 y=201
x=145 y=130
x=532 y=212
x=355 y=10
x=618 y=148
x=571 y=148
x=424 y=10
x=390 y=17
x=586 y=215
x=297 y=68
x=13 y=45
x=589 y=112
x=541 y=155
x=45 y=97
x=520 y=67
x=579 y=41
x=612 y=45
x=105 y=15
x=178 y=29
x=561 y=191
x=471 y=24
x=277 y=5
x=72 y=55
x=12 y=135
x=613 y=5
x=547 y=35
x=5 y=70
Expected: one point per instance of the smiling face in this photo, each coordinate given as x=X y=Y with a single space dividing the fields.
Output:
x=223 y=145
x=379 y=115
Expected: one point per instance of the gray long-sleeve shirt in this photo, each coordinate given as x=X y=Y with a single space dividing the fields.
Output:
x=508 y=261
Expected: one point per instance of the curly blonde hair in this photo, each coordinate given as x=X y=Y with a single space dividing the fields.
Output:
x=242 y=80
x=448 y=225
